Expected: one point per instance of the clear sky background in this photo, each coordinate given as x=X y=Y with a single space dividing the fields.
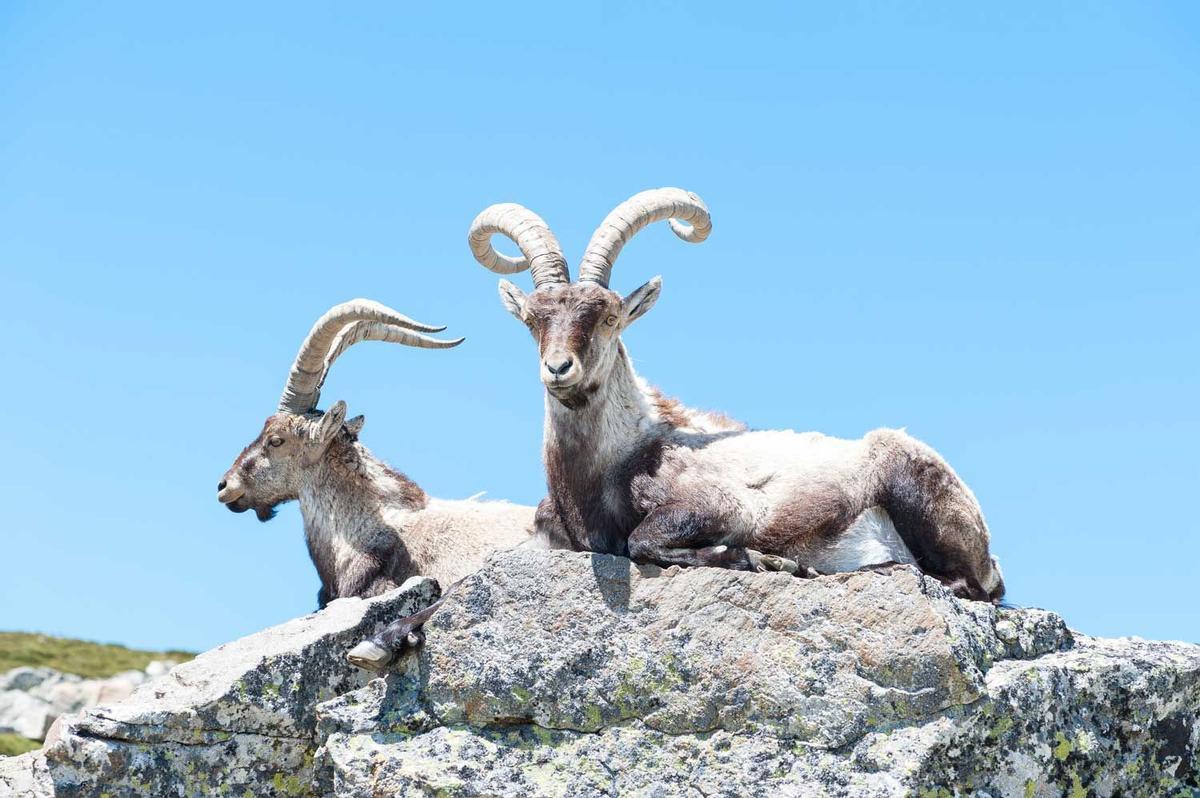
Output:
x=982 y=224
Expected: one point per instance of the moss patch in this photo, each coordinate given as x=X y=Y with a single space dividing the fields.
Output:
x=81 y=657
x=1063 y=748
x=13 y=744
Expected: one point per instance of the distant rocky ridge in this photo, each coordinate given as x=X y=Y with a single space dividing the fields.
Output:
x=563 y=674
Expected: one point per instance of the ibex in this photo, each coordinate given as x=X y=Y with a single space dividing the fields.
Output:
x=633 y=473
x=368 y=527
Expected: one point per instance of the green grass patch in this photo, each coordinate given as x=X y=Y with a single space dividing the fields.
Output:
x=87 y=659
x=13 y=744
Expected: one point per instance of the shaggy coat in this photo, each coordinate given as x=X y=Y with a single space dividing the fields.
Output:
x=632 y=473
x=367 y=526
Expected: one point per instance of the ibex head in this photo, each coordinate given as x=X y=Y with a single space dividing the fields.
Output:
x=577 y=326
x=271 y=469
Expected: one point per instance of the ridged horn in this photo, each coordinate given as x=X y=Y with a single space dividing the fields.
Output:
x=540 y=251
x=635 y=213
x=331 y=336
x=378 y=331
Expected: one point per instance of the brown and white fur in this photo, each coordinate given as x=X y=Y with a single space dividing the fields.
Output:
x=368 y=527
x=632 y=473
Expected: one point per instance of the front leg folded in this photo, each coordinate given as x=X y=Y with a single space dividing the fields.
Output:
x=773 y=562
x=678 y=535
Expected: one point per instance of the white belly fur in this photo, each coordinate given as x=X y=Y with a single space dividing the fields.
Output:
x=870 y=540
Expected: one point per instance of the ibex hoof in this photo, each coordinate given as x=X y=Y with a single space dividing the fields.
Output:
x=771 y=562
x=369 y=656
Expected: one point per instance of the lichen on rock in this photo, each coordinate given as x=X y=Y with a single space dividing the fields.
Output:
x=580 y=675
x=564 y=674
x=239 y=718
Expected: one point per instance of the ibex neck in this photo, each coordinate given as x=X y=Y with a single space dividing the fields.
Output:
x=351 y=501
x=609 y=425
x=350 y=484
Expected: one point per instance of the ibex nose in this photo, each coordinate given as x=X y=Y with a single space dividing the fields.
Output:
x=227 y=493
x=559 y=369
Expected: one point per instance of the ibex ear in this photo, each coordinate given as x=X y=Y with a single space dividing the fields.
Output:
x=355 y=425
x=328 y=425
x=513 y=299
x=642 y=299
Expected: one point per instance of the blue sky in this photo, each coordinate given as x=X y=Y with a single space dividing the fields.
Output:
x=979 y=223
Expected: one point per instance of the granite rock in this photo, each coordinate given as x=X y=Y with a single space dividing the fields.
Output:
x=564 y=674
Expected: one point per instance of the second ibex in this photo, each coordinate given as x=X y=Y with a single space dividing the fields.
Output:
x=368 y=527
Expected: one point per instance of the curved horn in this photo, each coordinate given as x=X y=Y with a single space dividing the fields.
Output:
x=632 y=215
x=379 y=331
x=308 y=371
x=540 y=251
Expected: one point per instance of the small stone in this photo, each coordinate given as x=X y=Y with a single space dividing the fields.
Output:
x=1006 y=630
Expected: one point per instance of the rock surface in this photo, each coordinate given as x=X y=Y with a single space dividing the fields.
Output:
x=31 y=699
x=561 y=674
x=237 y=720
x=25 y=776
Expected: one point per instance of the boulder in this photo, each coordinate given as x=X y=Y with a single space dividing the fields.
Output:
x=23 y=714
x=68 y=693
x=563 y=674
x=31 y=699
x=237 y=720
x=25 y=776
x=27 y=678
x=159 y=667
x=119 y=687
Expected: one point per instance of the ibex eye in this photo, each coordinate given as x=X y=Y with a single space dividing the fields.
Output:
x=611 y=321
x=275 y=440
